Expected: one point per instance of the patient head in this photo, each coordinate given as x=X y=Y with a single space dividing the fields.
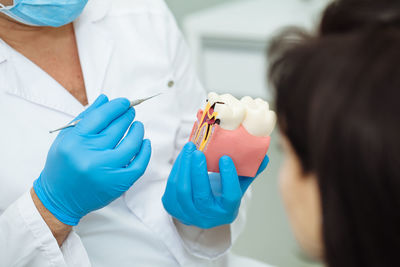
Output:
x=338 y=105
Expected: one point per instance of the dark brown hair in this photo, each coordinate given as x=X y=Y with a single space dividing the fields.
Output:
x=338 y=102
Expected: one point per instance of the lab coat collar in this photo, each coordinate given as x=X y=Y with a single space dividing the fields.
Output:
x=29 y=82
x=96 y=10
x=95 y=49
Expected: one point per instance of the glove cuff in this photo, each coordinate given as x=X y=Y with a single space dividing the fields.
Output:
x=60 y=215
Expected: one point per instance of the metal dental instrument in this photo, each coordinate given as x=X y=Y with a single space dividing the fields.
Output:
x=133 y=103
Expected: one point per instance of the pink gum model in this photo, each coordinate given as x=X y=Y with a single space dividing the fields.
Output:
x=247 y=151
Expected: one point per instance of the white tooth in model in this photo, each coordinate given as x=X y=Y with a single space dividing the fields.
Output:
x=231 y=113
x=259 y=119
x=253 y=114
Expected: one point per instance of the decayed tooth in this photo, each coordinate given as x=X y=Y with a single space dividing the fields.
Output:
x=231 y=113
x=213 y=97
x=259 y=120
x=253 y=114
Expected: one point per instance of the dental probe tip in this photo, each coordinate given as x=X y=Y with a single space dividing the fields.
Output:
x=140 y=101
x=72 y=124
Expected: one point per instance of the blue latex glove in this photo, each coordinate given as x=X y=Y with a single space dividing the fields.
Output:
x=88 y=166
x=192 y=195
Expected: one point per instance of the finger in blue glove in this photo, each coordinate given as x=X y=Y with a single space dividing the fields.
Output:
x=190 y=196
x=92 y=164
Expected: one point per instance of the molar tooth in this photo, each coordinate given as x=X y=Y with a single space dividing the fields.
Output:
x=230 y=114
x=261 y=102
x=259 y=120
x=213 y=97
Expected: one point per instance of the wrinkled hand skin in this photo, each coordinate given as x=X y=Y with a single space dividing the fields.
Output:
x=191 y=198
x=88 y=166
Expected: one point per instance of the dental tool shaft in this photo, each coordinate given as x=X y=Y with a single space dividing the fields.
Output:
x=72 y=124
x=133 y=103
x=140 y=101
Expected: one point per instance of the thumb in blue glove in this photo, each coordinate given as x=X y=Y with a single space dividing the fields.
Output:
x=190 y=196
x=92 y=164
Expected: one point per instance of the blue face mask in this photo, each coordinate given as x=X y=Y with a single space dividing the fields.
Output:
x=54 y=13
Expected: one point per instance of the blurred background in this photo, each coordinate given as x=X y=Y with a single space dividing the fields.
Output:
x=228 y=40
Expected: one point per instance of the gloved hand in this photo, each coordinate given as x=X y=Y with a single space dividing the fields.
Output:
x=88 y=166
x=193 y=197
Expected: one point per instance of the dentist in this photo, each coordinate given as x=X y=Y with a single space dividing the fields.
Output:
x=84 y=197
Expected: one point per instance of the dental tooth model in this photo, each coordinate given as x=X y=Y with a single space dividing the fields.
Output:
x=239 y=129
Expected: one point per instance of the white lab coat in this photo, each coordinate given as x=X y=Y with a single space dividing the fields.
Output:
x=131 y=49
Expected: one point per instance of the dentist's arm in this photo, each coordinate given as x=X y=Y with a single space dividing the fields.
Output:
x=59 y=230
x=87 y=167
x=92 y=164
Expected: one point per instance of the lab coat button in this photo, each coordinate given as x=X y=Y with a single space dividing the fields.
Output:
x=171 y=83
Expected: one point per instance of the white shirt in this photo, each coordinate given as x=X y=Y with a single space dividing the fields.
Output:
x=127 y=48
